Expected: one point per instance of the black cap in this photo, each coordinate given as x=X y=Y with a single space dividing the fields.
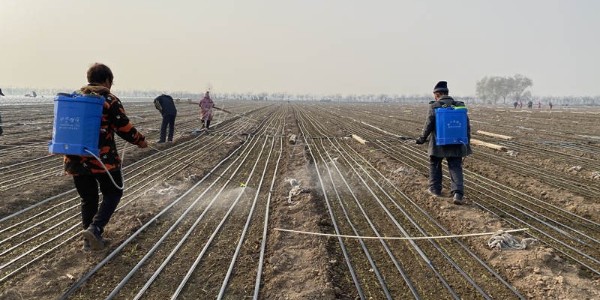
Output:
x=441 y=87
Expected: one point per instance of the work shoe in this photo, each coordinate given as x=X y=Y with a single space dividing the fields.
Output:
x=86 y=245
x=458 y=199
x=434 y=193
x=93 y=238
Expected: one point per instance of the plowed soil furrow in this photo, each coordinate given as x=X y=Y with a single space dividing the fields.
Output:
x=194 y=213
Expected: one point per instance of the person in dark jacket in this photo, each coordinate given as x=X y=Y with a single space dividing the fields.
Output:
x=166 y=106
x=453 y=153
x=89 y=173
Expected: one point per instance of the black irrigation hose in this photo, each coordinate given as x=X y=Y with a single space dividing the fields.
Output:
x=85 y=277
x=434 y=243
x=421 y=253
x=544 y=233
x=124 y=281
x=12 y=273
x=438 y=225
x=359 y=289
x=263 y=244
x=53 y=238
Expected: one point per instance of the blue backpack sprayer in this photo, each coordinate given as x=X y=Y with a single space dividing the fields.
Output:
x=76 y=126
x=451 y=126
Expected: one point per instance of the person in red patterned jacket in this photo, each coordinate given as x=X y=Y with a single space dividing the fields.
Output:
x=88 y=173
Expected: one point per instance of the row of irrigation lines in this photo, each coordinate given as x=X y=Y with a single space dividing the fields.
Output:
x=468 y=278
x=537 y=150
x=584 y=187
x=239 y=162
x=343 y=248
x=382 y=283
x=192 y=269
x=189 y=149
x=29 y=138
x=590 y=190
x=141 y=118
x=24 y=172
x=129 y=168
x=21 y=174
x=85 y=277
x=137 y=190
x=540 y=224
x=578 y=145
x=579 y=186
x=431 y=220
x=186 y=119
x=133 y=170
x=380 y=278
x=569 y=184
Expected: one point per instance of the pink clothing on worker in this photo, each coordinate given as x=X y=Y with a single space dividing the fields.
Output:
x=206 y=108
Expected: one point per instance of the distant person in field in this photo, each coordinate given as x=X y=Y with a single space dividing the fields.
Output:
x=520 y=104
x=530 y=104
x=515 y=104
x=550 y=104
x=539 y=104
x=166 y=106
x=88 y=173
x=453 y=153
x=206 y=110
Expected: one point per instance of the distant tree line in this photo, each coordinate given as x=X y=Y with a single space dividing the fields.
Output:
x=493 y=88
x=489 y=96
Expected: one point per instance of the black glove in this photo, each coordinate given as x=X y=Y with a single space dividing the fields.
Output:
x=420 y=140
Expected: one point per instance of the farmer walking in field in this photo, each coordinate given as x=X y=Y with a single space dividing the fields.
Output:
x=166 y=106
x=206 y=110
x=89 y=173
x=453 y=153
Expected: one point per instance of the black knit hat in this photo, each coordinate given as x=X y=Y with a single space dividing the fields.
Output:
x=441 y=87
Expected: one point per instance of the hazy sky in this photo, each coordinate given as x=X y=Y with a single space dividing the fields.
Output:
x=302 y=46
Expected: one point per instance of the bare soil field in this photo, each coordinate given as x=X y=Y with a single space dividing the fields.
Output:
x=247 y=211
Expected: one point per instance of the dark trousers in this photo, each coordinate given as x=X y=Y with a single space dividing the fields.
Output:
x=87 y=187
x=455 y=170
x=167 y=121
x=206 y=124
